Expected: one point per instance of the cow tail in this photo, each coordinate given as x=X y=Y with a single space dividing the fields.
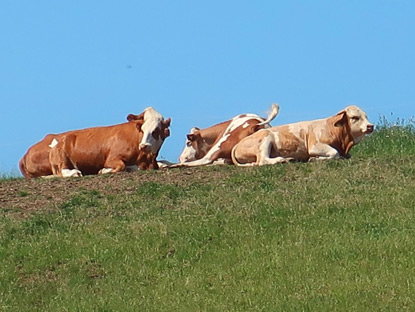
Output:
x=275 y=108
x=235 y=161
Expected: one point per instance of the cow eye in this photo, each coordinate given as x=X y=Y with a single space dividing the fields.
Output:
x=188 y=143
x=156 y=134
x=355 y=118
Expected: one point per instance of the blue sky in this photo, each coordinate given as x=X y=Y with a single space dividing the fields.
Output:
x=68 y=65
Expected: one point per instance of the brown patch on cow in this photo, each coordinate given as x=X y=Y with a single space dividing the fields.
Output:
x=235 y=137
x=338 y=134
x=288 y=144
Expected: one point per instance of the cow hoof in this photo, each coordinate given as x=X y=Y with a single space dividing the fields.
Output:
x=68 y=173
x=105 y=171
x=179 y=165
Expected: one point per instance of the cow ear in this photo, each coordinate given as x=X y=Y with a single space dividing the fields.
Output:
x=340 y=119
x=166 y=133
x=193 y=136
x=132 y=117
x=194 y=129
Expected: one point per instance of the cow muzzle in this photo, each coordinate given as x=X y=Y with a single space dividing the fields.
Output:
x=145 y=147
x=369 y=128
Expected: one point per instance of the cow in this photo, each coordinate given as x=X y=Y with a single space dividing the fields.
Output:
x=107 y=149
x=214 y=144
x=321 y=139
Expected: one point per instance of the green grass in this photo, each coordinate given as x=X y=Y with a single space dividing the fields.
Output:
x=322 y=236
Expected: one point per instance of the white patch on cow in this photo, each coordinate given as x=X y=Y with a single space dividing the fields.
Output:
x=164 y=163
x=152 y=120
x=245 y=125
x=188 y=153
x=105 y=170
x=239 y=121
x=51 y=176
x=216 y=147
x=277 y=140
x=66 y=173
x=53 y=143
x=319 y=129
x=222 y=161
x=321 y=151
x=294 y=129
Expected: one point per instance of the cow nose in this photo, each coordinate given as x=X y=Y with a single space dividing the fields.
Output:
x=370 y=128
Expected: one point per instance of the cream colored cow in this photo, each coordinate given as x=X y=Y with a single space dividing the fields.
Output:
x=321 y=139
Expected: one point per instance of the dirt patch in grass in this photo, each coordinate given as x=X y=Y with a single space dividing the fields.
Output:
x=20 y=197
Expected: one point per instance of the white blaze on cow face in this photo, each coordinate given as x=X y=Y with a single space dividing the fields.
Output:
x=152 y=136
x=359 y=123
x=189 y=152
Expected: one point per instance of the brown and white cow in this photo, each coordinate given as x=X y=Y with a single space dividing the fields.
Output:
x=99 y=149
x=205 y=146
x=328 y=138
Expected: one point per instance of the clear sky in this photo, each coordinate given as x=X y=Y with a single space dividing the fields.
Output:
x=68 y=65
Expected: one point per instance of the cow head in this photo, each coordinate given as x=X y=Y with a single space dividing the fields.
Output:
x=357 y=120
x=190 y=151
x=154 y=128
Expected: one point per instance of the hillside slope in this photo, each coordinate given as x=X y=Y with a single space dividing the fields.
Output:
x=322 y=236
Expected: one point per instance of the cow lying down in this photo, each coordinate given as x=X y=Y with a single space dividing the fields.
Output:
x=214 y=144
x=96 y=150
x=327 y=138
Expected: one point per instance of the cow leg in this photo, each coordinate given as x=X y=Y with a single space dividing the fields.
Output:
x=66 y=173
x=263 y=157
x=222 y=161
x=322 y=151
x=200 y=162
x=112 y=166
x=61 y=164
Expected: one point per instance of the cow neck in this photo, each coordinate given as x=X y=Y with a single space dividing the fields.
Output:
x=212 y=134
x=344 y=140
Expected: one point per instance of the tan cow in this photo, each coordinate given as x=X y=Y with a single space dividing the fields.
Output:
x=100 y=149
x=206 y=146
x=328 y=138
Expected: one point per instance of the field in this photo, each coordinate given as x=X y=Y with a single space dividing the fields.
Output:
x=322 y=236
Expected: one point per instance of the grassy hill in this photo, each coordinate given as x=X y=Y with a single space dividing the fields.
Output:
x=323 y=236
